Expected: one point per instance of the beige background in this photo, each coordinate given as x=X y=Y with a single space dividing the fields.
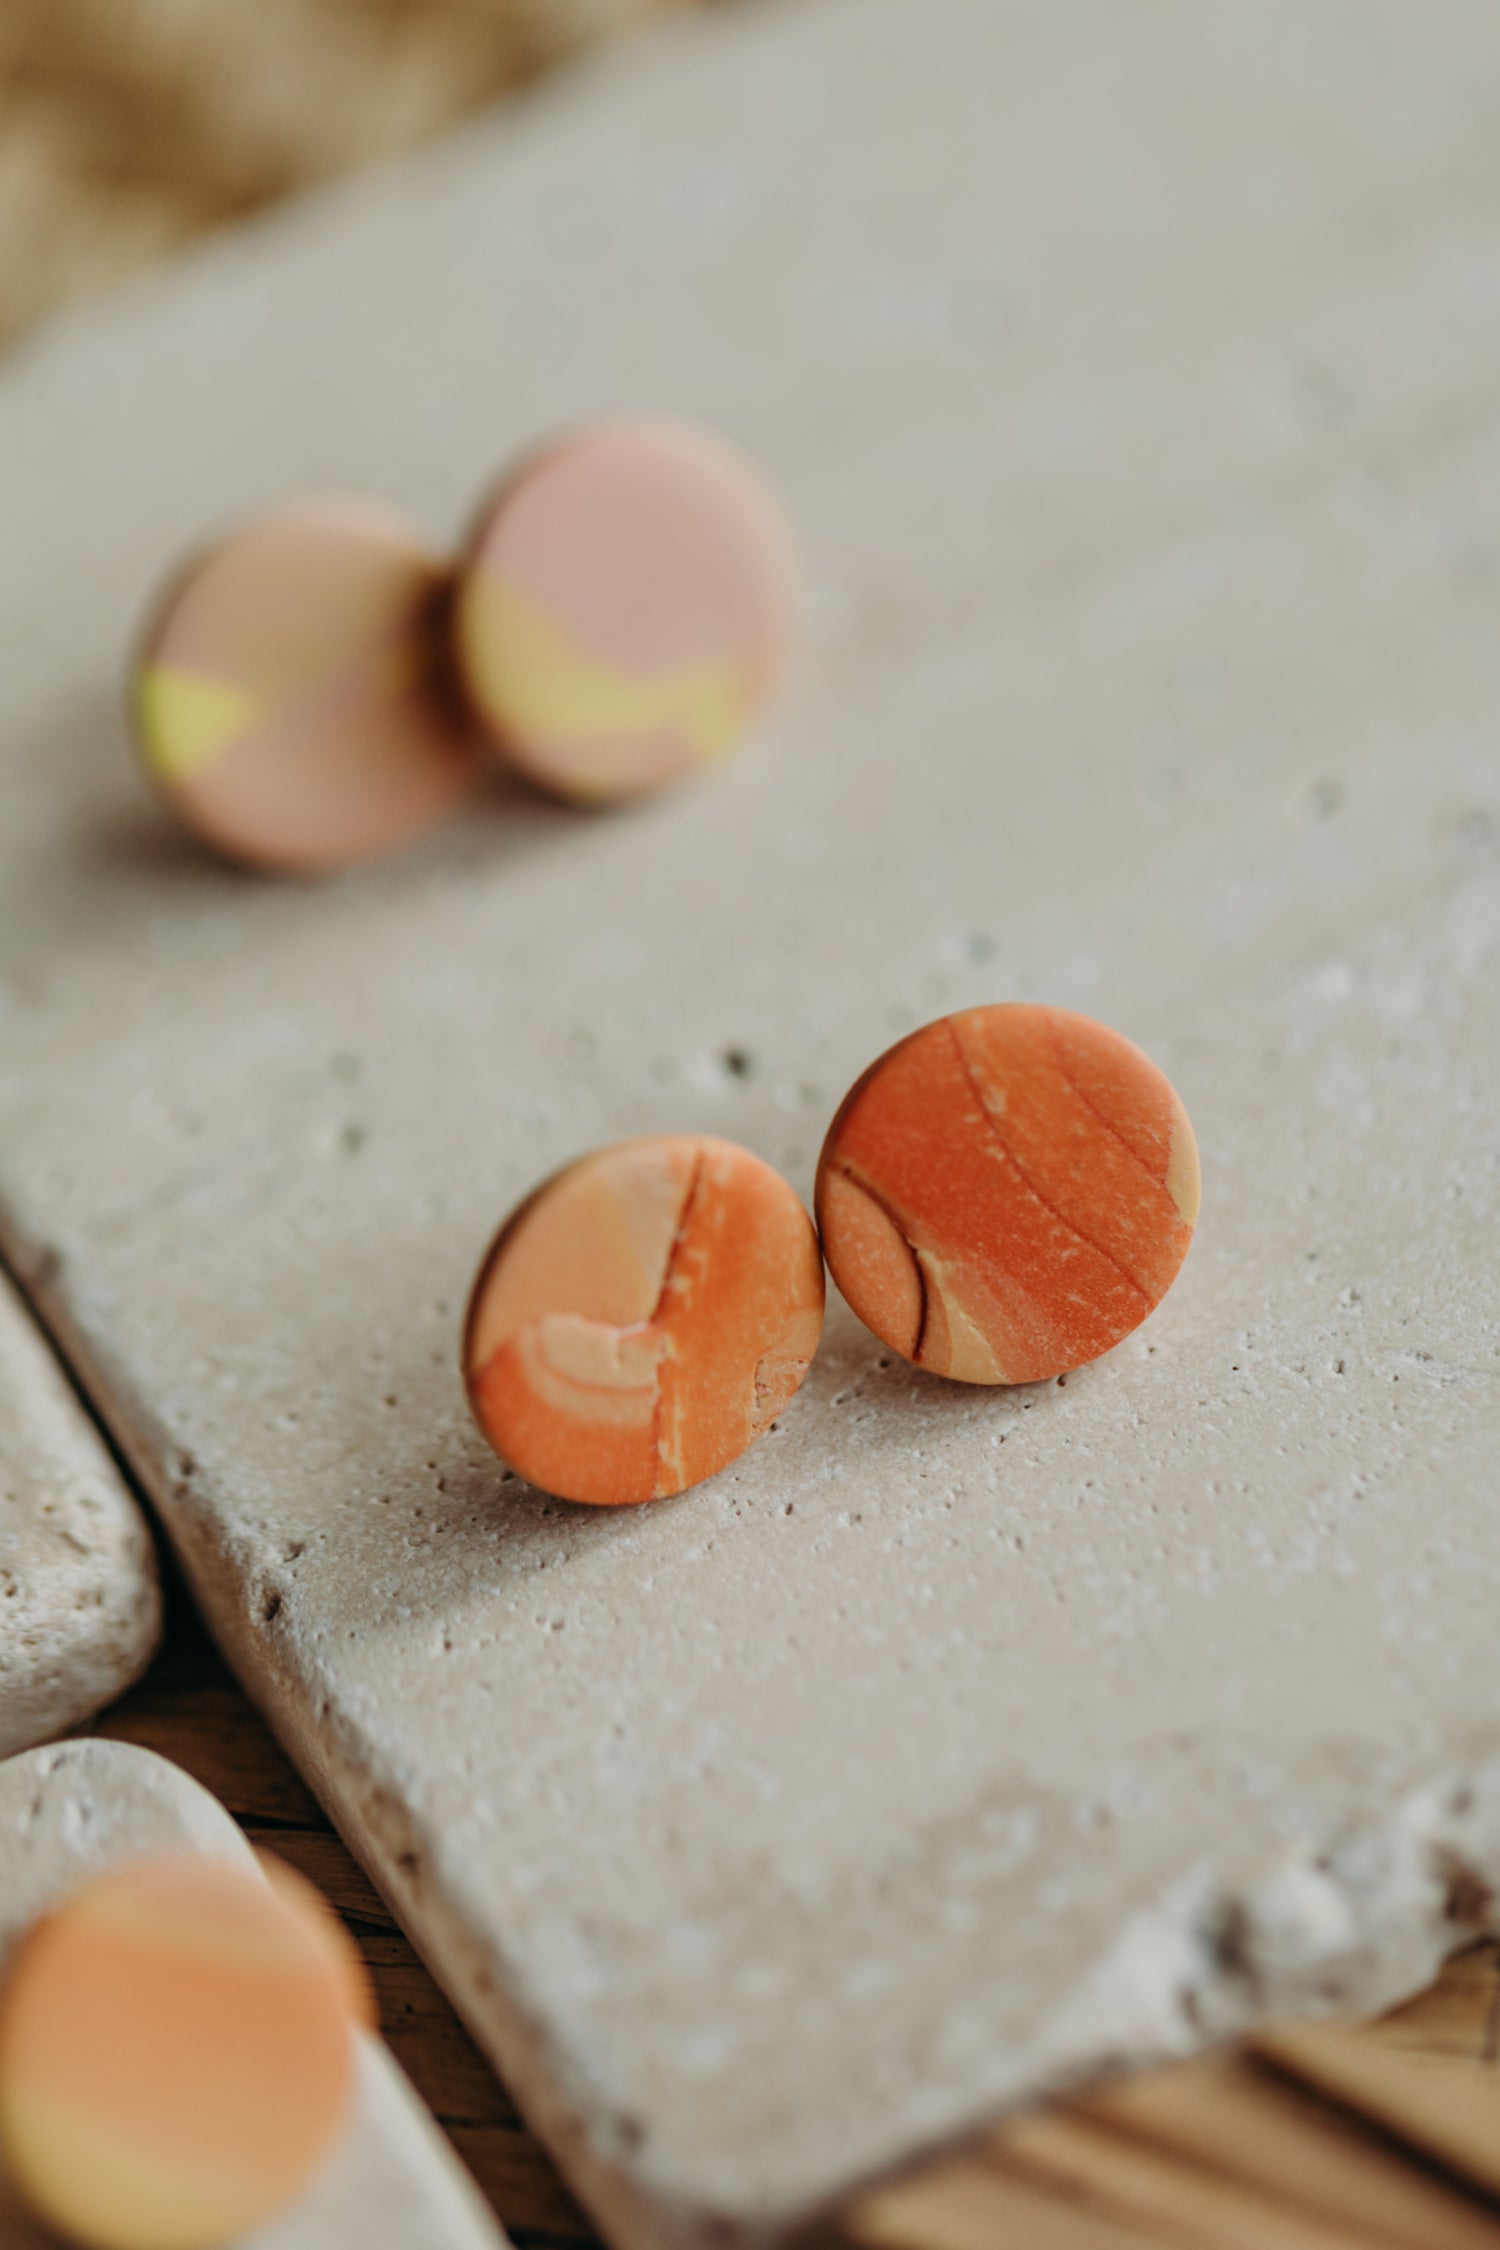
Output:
x=1138 y=407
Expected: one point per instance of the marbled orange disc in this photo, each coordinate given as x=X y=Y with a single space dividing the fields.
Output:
x=1007 y=1193
x=642 y=1317
x=293 y=699
x=626 y=609
x=176 y=2056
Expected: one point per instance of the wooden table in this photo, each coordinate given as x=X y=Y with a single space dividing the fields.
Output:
x=1317 y=2140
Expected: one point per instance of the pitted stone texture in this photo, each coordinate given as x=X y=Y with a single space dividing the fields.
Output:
x=80 y=1608
x=70 y=1811
x=1128 y=372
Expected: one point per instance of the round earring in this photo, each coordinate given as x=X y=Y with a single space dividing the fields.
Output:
x=291 y=698
x=177 y=2052
x=642 y=1317
x=1007 y=1193
x=626 y=609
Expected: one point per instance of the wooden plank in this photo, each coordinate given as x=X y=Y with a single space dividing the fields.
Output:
x=1444 y=2103
x=191 y=1709
x=964 y=2204
x=1226 y=2113
x=1125 y=2179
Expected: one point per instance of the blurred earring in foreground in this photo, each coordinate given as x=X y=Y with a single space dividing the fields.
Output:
x=177 y=2053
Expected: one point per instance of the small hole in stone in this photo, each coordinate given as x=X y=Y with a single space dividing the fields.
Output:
x=272 y=1608
x=738 y=1062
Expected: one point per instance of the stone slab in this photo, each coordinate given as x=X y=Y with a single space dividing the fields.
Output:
x=80 y=1606
x=1131 y=372
x=67 y=1812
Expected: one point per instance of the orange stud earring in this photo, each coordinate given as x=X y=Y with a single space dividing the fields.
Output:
x=177 y=2054
x=1007 y=1193
x=642 y=1317
x=627 y=608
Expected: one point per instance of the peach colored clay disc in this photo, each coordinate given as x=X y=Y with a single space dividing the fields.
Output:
x=176 y=2057
x=1007 y=1193
x=292 y=700
x=642 y=1317
x=627 y=610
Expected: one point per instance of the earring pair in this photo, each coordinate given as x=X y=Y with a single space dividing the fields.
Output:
x=320 y=685
x=1003 y=1196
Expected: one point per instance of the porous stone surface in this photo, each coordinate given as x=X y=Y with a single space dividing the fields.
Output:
x=1130 y=374
x=80 y=1607
x=75 y=1808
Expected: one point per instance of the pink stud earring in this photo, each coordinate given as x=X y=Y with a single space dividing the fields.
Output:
x=292 y=699
x=626 y=608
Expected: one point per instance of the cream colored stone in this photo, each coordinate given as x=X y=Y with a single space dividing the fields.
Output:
x=80 y=1608
x=1130 y=370
x=67 y=1812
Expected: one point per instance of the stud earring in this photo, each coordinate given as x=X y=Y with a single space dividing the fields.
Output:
x=1007 y=1193
x=291 y=699
x=642 y=1317
x=177 y=2052
x=626 y=609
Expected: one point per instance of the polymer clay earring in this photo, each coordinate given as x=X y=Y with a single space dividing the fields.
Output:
x=642 y=1317
x=292 y=699
x=1008 y=1193
x=177 y=2053
x=626 y=608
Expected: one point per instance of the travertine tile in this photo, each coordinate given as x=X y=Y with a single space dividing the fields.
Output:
x=1131 y=374
x=72 y=1809
x=80 y=1608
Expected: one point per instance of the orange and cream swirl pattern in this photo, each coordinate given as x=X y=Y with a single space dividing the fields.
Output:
x=1008 y=1193
x=642 y=1318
